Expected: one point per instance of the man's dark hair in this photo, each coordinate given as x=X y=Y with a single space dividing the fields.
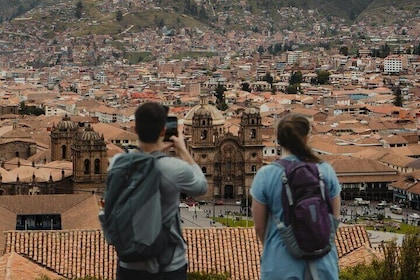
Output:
x=150 y=120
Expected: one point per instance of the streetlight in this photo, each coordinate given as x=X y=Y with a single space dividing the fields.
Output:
x=247 y=206
x=214 y=208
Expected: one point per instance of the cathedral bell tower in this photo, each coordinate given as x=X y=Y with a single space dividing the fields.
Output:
x=250 y=131
x=250 y=136
x=89 y=158
x=62 y=137
x=202 y=125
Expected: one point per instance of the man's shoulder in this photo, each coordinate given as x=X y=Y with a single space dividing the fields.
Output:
x=168 y=162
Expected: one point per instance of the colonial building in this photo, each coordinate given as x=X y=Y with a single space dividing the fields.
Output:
x=85 y=148
x=78 y=161
x=228 y=160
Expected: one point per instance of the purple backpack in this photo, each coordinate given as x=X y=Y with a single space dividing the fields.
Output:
x=307 y=226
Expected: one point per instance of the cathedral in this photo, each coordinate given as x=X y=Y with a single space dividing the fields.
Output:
x=81 y=145
x=228 y=160
x=75 y=162
x=229 y=152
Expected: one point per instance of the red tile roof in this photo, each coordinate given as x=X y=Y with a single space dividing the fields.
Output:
x=78 y=253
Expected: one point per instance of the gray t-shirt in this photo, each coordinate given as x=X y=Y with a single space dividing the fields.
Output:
x=177 y=176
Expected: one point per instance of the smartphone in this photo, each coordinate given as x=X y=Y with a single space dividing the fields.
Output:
x=171 y=127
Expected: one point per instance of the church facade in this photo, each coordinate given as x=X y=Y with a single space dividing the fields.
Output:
x=229 y=161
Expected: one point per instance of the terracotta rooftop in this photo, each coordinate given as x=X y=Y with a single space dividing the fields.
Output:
x=78 y=253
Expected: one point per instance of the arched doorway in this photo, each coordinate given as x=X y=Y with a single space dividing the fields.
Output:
x=229 y=192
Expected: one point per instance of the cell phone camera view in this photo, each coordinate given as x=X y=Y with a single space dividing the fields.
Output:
x=171 y=127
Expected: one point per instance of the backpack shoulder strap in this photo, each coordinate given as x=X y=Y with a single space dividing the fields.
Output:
x=285 y=163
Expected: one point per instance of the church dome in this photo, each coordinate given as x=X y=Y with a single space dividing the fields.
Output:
x=89 y=134
x=251 y=111
x=204 y=110
x=66 y=124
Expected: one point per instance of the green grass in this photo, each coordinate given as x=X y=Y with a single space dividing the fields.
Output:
x=136 y=57
x=388 y=225
x=228 y=221
x=194 y=54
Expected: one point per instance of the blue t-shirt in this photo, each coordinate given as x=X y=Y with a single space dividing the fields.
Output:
x=276 y=262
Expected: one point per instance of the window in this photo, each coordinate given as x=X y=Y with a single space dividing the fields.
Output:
x=204 y=169
x=203 y=135
x=254 y=168
x=38 y=222
x=87 y=166
x=97 y=166
x=253 y=133
x=228 y=165
x=63 y=151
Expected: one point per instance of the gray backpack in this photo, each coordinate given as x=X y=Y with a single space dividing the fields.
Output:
x=132 y=215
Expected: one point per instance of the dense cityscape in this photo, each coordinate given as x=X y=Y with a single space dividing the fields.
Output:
x=73 y=73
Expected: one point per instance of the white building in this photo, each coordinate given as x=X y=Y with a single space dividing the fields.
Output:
x=393 y=64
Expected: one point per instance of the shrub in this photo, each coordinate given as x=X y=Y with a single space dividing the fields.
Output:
x=398 y=263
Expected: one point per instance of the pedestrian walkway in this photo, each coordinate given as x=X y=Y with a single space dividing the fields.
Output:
x=194 y=216
x=376 y=237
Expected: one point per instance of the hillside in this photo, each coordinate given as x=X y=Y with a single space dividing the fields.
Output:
x=220 y=16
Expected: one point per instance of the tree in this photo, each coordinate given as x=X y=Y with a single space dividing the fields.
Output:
x=119 y=15
x=30 y=110
x=398 y=99
x=295 y=78
x=268 y=78
x=323 y=77
x=246 y=87
x=344 y=50
x=260 y=50
x=292 y=89
x=79 y=8
x=220 y=97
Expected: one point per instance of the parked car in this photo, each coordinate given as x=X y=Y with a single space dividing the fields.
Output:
x=381 y=205
x=414 y=216
x=397 y=210
x=183 y=205
x=219 y=202
x=202 y=202
x=361 y=201
x=394 y=206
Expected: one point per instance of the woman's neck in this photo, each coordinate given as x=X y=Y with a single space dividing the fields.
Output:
x=285 y=152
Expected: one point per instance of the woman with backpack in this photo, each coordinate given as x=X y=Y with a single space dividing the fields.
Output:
x=270 y=207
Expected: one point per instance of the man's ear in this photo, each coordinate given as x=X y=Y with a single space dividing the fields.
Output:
x=162 y=132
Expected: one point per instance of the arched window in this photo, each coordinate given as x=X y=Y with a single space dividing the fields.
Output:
x=254 y=168
x=64 y=152
x=17 y=154
x=97 y=166
x=253 y=133
x=203 y=135
x=203 y=122
x=87 y=166
x=204 y=169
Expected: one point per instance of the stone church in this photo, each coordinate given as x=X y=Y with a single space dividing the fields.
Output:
x=229 y=153
x=229 y=161
x=85 y=148
x=77 y=162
